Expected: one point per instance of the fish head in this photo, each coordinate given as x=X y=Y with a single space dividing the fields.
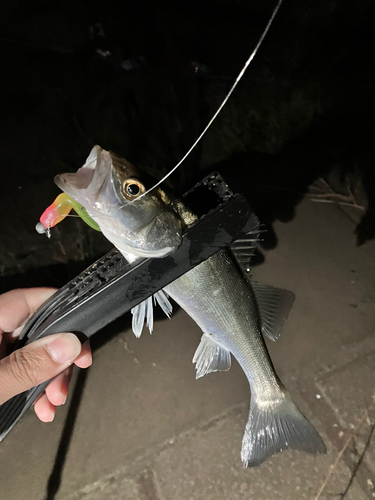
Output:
x=110 y=189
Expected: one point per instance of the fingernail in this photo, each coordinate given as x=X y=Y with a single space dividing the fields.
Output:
x=65 y=348
x=87 y=358
x=50 y=417
x=65 y=386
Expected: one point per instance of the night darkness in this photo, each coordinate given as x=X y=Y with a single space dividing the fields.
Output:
x=143 y=79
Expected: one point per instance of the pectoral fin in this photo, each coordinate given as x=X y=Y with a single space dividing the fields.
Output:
x=162 y=298
x=210 y=357
x=144 y=312
x=274 y=305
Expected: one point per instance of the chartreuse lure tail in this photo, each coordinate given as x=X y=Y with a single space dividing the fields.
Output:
x=60 y=209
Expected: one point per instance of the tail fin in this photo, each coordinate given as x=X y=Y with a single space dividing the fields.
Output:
x=274 y=427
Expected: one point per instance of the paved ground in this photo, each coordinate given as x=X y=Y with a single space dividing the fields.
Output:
x=146 y=430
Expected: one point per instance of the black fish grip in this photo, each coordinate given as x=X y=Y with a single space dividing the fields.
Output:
x=111 y=286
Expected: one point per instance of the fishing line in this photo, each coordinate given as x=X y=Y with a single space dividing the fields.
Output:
x=252 y=55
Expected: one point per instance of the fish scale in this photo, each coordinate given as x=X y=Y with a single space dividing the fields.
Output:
x=228 y=318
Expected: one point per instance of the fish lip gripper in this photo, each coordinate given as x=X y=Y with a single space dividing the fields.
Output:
x=111 y=286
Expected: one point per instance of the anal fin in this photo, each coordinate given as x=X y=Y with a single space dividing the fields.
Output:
x=210 y=357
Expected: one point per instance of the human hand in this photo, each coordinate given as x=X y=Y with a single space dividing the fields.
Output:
x=48 y=358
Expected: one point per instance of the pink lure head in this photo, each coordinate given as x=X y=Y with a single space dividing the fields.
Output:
x=56 y=212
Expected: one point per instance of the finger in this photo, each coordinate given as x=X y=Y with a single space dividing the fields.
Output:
x=17 y=305
x=84 y=360
x=44 y=409
x=57 y=390
x=36 y=363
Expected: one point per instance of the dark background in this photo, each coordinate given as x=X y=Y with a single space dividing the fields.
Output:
x=143 y=78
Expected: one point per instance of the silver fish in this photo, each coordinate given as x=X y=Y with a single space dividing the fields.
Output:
x=232 y=312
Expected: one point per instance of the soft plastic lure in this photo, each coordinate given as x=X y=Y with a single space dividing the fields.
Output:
x=60 y=209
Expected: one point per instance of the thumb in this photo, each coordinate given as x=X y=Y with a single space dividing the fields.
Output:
x=36 y=363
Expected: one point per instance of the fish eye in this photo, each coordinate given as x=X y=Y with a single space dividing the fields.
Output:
x=132 y=188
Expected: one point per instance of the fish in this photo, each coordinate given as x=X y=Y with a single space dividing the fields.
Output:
x=233 y=311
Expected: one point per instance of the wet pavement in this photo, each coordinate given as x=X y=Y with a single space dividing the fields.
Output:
x=145 y=429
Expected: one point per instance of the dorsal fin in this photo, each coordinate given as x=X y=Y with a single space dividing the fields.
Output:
x=243 y=249
x=274 y=305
